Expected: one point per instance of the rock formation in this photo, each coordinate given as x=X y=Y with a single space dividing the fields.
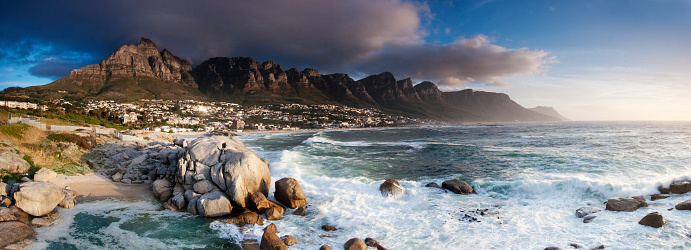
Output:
x=628 y=204
x=289 y=193
x=653 y=219
x=391 y=188
x=355 y=244
x=38 y=198
x=458 y=186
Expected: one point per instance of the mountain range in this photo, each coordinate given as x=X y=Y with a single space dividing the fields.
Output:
x=141 y=71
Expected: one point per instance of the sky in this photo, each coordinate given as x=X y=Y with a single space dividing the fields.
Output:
x=589 y=59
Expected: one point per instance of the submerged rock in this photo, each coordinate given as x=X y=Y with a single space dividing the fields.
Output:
x=328 y=228
x=628 y=204
x=653 y=219
x=458 y=186
x=589 y=219
x=38 y=198
x=585 y=211
x=391 y=188
x=432 y=184
x=289 y=193
x=658 y=197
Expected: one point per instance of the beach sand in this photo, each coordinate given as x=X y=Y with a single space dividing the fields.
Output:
x=96 y=186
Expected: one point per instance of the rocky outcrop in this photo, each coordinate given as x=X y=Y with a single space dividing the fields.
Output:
x=325 y=247
x=38 y=198
x=12 y=232
x=458 y=186
x=12 y=162
x=214 y=204
x=391 y=188
x=686 y=205
x=224 y=164
x=355 y=244
x=289 y=240
x=628 y=204
x=275 y=211
x=653 y=219
x=45 y=174
x=371 y=242
x=289 y=193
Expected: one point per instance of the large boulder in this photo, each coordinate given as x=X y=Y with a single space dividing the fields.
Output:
x=628 y=204
x=214 y=204
x=13 y=163
x=14 y=231
x=680 y=186
x=163 y=189
x=275 y=211
x=355 y=244
x=45 y=174
x=259 y=203
x=391 y=188
x=289 y=193
x=38 y=198
x=228 y=164
x=653 y=219
x=685 y=205
x=458 y=186
x=270 y=240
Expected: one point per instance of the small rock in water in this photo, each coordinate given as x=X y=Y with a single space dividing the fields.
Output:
x=658 y=197
x=289 y=240
x=552 y=248
x=355 y=244
x=300 y=211
x=663 y=190
x=458 y=186
x=680 y=186
x=686 y=205
x=585 y=211
x=628 y=204
x=653 y=219
x=574 y=245
x=433 y=184
x=328 y=228
x=325 y=247
x=589 y=219
x=599 y=247
x=391 y=188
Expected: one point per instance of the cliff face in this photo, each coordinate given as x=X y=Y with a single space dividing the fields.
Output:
x=549 y=111
x=142 y=71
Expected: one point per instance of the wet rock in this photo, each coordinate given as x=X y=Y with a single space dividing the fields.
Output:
x=271 y=228
x=45 y=174
x=391 y=188
x=325 y=247
x=658 y=197
x=12 y=232
x=214 y=204
x=246 y=217
x=663 y=190
x=685 y=205
x=289 y=240
x=271 y=241
x=38 y=198
x=328 y=228
x=589 y=219
x=117 y=177
x=680 y=186
x=585 y=211
x=552 y=248
x=289 y=193
x=275 y=211
x=163 y=189
x=628 y=204
x=574 y=245
x=599 y=247
x=46 y=220
x=371 y=242
x=355 y=244
x=299 y=211
x=653 y=219
x=432 y=184
x=458 y=186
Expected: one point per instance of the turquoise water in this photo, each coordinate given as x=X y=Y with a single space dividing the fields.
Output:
x=530 y=178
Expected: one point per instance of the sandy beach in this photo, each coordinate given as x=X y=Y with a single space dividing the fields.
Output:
x=97 y=186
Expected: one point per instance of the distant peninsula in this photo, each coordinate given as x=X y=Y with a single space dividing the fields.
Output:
x=141 y=71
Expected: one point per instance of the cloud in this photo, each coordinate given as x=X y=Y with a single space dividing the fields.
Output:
x=53 y=68
x=471 y=59
x=353 y=36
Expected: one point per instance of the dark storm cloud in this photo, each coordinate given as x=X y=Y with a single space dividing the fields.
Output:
x=53 y=69
x=355 y=36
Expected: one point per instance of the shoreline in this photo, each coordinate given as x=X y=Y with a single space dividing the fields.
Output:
x=97 y=186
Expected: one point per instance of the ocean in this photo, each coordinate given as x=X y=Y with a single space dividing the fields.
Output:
x=529 y=177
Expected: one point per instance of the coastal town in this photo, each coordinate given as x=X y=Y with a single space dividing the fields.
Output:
x=191 y=115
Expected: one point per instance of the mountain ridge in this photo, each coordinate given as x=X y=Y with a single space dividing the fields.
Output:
x=141 y=71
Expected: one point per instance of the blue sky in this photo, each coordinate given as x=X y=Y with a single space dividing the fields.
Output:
x=591 y=60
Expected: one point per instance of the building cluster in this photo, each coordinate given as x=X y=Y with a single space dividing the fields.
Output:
x=22 y=105
x=190 y=115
